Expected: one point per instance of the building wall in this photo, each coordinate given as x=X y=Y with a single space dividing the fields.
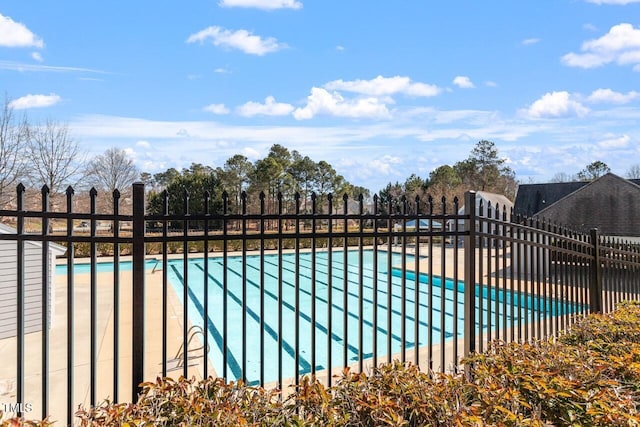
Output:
x=611 y=204
x=33 y=288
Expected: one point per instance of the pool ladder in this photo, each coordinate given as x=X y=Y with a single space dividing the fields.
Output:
x=155 y=266
x=178 y=359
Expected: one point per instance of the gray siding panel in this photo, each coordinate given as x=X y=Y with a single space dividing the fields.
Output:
x=33 y=287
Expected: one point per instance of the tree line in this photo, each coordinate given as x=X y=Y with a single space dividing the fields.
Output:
x=253 y=186
x=483 y=170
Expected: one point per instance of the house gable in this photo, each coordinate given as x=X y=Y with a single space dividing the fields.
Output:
x=610 y=203
x=494 y=199
x=532 y=198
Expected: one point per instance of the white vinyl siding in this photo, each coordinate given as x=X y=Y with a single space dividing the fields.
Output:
x=33 y=287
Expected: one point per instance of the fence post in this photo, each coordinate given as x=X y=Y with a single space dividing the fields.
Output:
x=20 y=297
x=138 y=249
x=470 y=273
x=595 y=284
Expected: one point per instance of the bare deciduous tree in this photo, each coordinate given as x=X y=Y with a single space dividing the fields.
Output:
x=54 y=156
x=563 y=177
x=634 y=172
x=113 y=170
x=13 y=140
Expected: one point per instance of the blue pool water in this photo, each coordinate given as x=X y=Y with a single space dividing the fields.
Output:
x=345 y=338
x=272 y=306
x=342 y=273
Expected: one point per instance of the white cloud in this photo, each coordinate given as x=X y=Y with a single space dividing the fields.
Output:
x=37 y=56
x=240 y=39
x=375 y=166
x=262 y=4
x=216 y=109
x=490 y=83
x=340 y=48
x=530 y=41
x=221 y=70
x=556 y=104
x=610 y=96
x=621 y=2
x=18 y=66
x=143 y=144
x=620 y=45
x=251 y=153
x=463 y=82
x=16 y=34
x=385 y=165
x=380 y=86
x=321 y=101
x=473 y=117
x=35 y=101
x=269 y=108
x=619 y=142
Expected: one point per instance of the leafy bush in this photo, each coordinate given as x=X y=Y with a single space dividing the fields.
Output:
x=589 y=375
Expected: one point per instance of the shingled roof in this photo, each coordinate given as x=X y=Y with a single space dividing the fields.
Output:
x=609 y=203
x=532 y=198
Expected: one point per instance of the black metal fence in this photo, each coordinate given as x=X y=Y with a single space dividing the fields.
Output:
x=268 y=296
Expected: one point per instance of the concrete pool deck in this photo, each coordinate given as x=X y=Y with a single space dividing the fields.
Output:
x=104 y=345
x=153 y=339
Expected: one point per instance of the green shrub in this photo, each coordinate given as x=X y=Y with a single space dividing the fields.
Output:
x=589 y=375
x=18 y=422
x=154 y=248
x=189 y=402
x=104 y=249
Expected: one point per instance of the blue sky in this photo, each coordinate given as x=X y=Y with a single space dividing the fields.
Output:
x=379 y=89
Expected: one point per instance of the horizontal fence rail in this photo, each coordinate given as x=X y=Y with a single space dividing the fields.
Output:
x=267 y=290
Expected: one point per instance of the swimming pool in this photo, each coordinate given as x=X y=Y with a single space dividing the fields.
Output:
x=272 y=307
x=328 y=332
x=344 y=329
